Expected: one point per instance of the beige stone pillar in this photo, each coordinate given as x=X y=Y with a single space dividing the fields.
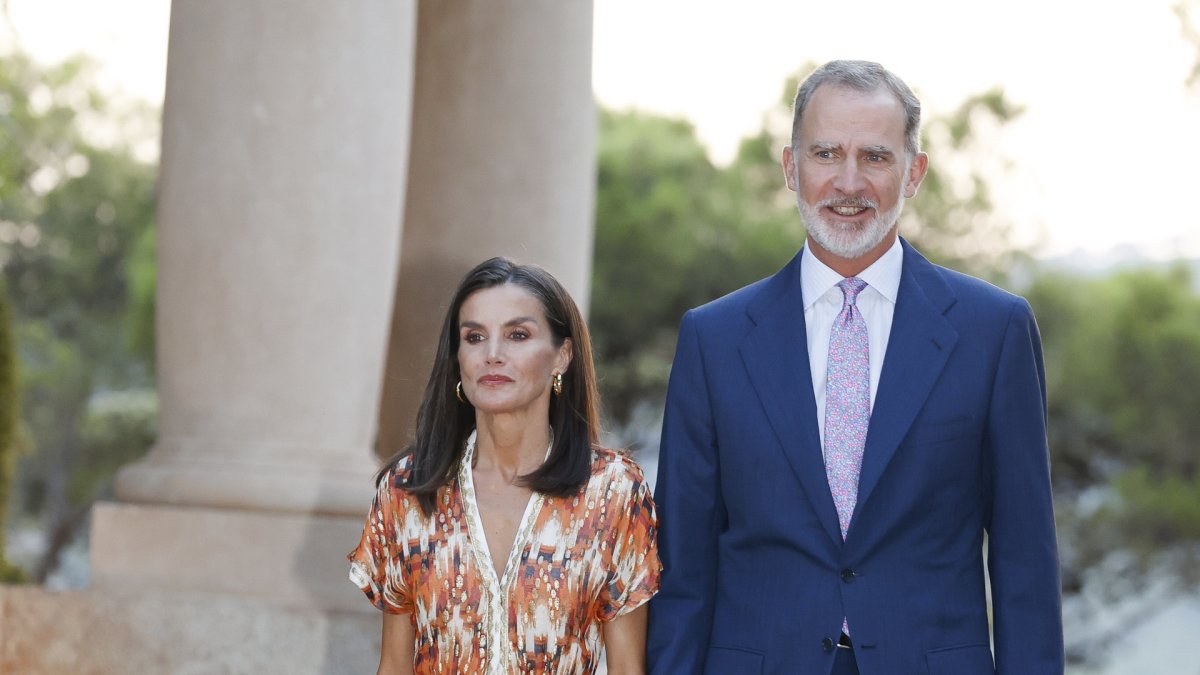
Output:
x=285 y=146
x=502 y=164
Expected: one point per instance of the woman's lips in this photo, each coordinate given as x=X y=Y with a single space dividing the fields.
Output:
x=494 y=379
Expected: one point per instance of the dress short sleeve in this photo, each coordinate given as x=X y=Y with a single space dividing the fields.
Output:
x=634 y=568
x=376 y=565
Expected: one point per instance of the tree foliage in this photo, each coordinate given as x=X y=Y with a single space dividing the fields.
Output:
x=75 y=199
x=8 y=426
x=1123 y=357
x=668 y=237
x=953 y=219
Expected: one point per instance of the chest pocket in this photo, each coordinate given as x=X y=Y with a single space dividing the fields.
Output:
x=935 y=432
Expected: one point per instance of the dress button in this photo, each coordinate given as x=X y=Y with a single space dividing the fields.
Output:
x=827 y=644
x=847 y=575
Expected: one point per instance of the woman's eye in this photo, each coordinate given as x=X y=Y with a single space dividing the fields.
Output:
x=473 y=338
x=520 y=335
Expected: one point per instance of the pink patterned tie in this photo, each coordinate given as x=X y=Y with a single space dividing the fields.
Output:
x=847 y=404
x=847 y=401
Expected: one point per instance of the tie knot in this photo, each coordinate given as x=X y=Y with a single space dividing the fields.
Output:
x=851 y=287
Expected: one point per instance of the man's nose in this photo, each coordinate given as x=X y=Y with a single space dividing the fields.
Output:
x=849 y=178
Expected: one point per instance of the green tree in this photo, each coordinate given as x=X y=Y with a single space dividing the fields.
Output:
x=953 y=219
x=75 y=198
x=653 y=179
x=8 y=427
x=666 y=239
x=1123 y=357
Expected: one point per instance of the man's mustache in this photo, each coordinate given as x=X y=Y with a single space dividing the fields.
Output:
x=859 y=203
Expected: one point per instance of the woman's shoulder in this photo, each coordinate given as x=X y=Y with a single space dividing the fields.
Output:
x=395 y=476
x=610 y=465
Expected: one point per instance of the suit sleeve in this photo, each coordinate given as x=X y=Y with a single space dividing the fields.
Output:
x=691 y=516
x=1022 y=548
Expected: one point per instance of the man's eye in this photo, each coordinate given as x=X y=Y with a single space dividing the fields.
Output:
x=824 y=154
x=874 y=158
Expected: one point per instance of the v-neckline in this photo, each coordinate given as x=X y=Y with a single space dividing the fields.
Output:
x=478 y=532
x=495 y=583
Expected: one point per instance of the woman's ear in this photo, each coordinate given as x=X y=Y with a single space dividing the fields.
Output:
x=564 y=356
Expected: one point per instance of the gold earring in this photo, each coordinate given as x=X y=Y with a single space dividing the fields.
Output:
x=458 y=392
x=557 y=384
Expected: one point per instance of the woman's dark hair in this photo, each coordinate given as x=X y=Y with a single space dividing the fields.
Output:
x=444 y=423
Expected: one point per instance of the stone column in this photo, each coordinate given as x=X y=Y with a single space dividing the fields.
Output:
x=285 y=146
x=502 y=163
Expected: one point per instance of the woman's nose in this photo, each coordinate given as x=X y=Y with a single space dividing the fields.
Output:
x=494 y=352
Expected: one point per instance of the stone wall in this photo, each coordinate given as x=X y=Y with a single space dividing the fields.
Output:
x=148 y=632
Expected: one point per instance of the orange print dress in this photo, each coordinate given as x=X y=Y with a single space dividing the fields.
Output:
x=577 y=562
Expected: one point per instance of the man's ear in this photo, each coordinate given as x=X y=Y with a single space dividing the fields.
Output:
x=916 y=174
x=789 y=169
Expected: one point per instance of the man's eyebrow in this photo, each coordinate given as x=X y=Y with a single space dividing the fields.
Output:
x=878 y=150
x=823 y=145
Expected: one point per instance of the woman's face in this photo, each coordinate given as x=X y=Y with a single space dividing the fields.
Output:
x=506 y=352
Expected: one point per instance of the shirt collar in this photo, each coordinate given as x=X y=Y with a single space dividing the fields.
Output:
x=816 y=278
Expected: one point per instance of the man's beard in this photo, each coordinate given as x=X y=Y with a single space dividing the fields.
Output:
x=844 y=240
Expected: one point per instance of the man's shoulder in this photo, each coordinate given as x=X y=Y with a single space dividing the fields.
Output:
x=975 y=291
x=977 y=306
x=962 y=287
x=733 y=303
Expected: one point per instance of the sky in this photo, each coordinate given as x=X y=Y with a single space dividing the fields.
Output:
x=1109 y=138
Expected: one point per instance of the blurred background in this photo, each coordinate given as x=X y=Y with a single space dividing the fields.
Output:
x=1064 y=144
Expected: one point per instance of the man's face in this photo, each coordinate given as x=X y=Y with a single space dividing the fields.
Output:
x=850 y=170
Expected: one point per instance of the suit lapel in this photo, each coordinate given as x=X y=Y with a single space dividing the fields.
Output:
x=775 y=353
x=920 y=343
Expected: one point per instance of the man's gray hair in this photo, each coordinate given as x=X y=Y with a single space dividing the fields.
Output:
x=864 y=76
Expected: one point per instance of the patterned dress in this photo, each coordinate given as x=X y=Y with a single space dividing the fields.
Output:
x=577 y=562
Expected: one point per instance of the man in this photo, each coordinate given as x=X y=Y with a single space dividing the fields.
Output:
x=841 y=439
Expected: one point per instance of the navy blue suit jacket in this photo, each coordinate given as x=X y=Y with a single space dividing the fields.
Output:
x=757 y=578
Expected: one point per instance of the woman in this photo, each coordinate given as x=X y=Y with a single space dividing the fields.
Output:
x=505 y=539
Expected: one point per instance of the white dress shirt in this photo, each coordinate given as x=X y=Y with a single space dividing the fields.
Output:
x=823 y=302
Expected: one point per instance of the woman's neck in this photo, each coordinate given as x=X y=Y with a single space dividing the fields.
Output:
x=511 y=445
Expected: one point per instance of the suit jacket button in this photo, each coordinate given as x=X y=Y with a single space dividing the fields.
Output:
x=847 y=575
x=827 y=644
